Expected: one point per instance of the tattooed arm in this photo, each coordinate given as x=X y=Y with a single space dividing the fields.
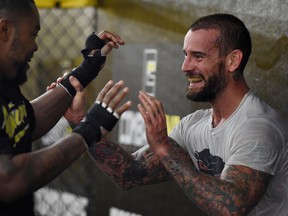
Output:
x=237 y=191
x=127 y=170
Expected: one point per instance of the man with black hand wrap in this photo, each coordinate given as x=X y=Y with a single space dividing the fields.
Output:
x=90 y=66
x=24 y=169
x=99 y=115
x=103 y=114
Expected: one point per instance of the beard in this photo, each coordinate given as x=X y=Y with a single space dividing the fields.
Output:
x=213 y=86
x=21 y=76
x=21 y=65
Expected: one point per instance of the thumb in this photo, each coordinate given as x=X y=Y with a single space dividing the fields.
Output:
x=107 y=48
x=75 y=83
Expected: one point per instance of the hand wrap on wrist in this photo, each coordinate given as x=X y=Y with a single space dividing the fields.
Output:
x=90 y=66
x=99 y=115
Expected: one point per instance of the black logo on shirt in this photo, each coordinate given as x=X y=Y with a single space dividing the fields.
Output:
x=209 y=164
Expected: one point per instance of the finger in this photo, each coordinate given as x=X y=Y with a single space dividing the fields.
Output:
x=59 y=79
x=152 y=108
x=75 y=83
x=51 y=86
x=123 y=108
x=146 y=101
x=108 y=36
x=113 y=92
x=104 y=91
x=115 y=38
x=142 y=110
x=106 y=49
x=118 y=98
x=144 y=114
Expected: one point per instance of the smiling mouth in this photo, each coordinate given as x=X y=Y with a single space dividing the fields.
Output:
x=195 y=79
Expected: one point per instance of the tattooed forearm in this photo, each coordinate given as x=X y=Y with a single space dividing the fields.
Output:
x=235 y=194
x=122 y=167
x=252 y=181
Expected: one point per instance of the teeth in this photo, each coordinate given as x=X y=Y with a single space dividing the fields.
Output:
x=195 y=79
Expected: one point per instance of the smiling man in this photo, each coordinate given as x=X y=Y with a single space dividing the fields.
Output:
x=231 y=159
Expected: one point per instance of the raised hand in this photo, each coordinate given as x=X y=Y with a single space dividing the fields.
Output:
x=104 y=113
x=111 y=40
x=94 y=57
x=153 y=114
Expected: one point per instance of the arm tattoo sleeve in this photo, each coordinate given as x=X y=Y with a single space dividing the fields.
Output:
x=238 y=190
x=122 y=168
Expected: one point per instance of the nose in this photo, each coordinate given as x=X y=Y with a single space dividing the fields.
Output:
x=187 y=65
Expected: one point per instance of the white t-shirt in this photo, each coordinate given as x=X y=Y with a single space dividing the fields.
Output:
x=255 y=135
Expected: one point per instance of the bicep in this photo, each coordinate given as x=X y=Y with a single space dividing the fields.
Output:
x=251 y=182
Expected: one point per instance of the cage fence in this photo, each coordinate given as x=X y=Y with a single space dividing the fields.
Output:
x=62 y=36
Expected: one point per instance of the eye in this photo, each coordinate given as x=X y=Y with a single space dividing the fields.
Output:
x=199 y=57
x=185 y=54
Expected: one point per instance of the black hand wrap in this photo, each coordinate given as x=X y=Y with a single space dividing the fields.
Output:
x=90 y=66
x=99 y=115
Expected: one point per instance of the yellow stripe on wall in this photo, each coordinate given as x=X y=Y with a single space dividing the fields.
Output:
x=45 y=3
x=65 y=3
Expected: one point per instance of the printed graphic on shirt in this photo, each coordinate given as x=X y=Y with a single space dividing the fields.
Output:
x=14 y=124
x=209 y=164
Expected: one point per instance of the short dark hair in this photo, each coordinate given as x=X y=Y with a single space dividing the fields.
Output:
x=15 y=8
x=233 y=34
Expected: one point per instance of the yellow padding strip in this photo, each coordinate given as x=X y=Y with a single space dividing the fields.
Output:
x=65 y=3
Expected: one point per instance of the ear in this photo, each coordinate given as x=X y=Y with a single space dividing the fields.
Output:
x=234 y=60
x=5 y=29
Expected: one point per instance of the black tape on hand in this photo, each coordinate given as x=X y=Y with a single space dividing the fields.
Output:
x=90 y=66
x=92 y=42
x=99 y=115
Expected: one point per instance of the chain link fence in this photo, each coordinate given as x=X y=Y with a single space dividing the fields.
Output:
x=62 y=36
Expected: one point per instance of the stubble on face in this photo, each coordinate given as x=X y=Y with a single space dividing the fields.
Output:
x=213 y=85
x=19 y=62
